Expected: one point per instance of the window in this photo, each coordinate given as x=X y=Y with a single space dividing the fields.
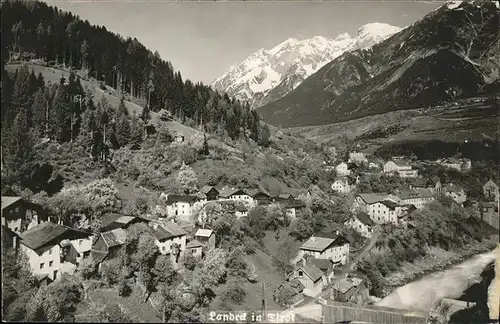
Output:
x=50 y=251
x=41 y=265
x=55 y=274
x=51 y=263
x=17 y=209
x=301 y=273
x=80 y=242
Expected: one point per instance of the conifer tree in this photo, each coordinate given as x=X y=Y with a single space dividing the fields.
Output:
x=39 y=112
x=21 y=92
x=60 y=120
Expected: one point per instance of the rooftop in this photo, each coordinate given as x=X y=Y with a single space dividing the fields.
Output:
x=202 y=232
x=371 y=198
x=193 y=244
x=171 y=199
x=115 y=237
x=310 y=269
x=45 y=233
x=389 y=204
x=206 y=189
x=365 y=219
x=9 y=200
x=116 y=218
x=169 y=230
x=228 y=192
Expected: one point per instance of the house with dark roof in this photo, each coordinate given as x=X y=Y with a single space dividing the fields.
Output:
x=19 y=214
x=289 y=293
x=456 y=193
x=310 y=276
x=235 y=194
x=53 y=249
x=335 y=247
x=240 y=210
x=292 y=206
x=259 y=196
x=352 y=288
x=417 y=197
x=490 y=190
x=10 y=239
x=182 y=206
x=342 y=185
x=171 y=240
x=401 y=167
x=114 y=220
x=194 y=248
x=108 y=244
x=362 y=223
x=210 y=192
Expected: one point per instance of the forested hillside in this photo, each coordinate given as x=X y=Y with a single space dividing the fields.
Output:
x=34 y=30
x=36 y=111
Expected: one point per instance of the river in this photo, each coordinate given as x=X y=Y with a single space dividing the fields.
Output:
x=428 y=291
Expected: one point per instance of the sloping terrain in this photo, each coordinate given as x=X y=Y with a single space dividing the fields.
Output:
x=453 y=52
x=470 y=119
x=54 y=75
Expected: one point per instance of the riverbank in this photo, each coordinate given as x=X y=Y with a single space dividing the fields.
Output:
x=436 y=260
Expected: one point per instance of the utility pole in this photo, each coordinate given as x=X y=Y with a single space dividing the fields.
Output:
x=263 y=300
x=468 y=283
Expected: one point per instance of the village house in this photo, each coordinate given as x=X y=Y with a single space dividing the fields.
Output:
x=178 y=138
x=357 y=157
x=433 y=184
x=260 y=197
x=211 y=193
x=342 y=170
x=342 y=185
x=351 y=289
x=456 y=193
x=362 y=223
x=234 y=194
x=490 y=190
x=385 y=212
x=289 y=293
x=457 y=164
x=292 y=206
x=205 y=237
x=401 y=167
x=108 y=244
x=488 y=214
x=18 y=215
x=416 y=197
x=310 y=276
x=53 y=249
x=10 y=239
x=171 y=240
x=195 y=249
x=335 y=248
x=240 y=210
x=180 y=206
x=114 y=220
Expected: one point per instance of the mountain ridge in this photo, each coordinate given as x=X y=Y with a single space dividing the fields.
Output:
x=267 y=75
x=410 y=69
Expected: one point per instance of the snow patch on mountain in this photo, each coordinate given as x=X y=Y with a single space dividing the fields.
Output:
x=289 y=63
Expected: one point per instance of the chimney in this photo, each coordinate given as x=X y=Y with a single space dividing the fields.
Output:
x=155 y=226
x=313 y=239
x=337 y=232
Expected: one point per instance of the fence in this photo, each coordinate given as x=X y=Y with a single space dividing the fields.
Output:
x=339 y=312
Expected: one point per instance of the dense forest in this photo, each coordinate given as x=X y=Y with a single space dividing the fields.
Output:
x=34 y=30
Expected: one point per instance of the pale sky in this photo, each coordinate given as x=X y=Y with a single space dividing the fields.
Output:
x=204 y=39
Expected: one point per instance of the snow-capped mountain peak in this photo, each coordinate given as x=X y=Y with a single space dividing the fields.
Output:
x=267 y=75
x=372 y=33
